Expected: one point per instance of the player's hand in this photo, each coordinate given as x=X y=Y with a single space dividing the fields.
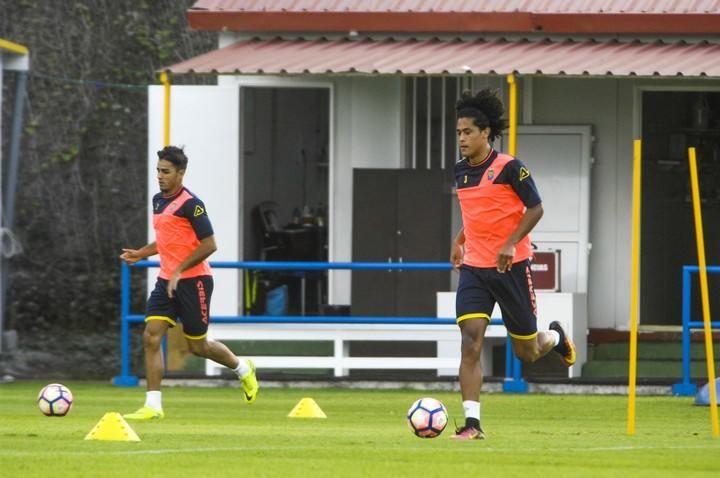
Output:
x=505 y=258
x=456 y=255
x=130 y=256
x=172 y=284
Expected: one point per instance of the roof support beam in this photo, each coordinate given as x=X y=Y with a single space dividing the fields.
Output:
x=453 y=22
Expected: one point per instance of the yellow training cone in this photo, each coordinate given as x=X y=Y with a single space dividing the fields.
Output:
x=112 y=426
x=307 y=408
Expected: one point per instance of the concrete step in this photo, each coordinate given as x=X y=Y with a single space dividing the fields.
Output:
x=649 y=351
x=645 y=369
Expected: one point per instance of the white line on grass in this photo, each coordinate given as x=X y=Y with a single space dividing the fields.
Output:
x=478 y=448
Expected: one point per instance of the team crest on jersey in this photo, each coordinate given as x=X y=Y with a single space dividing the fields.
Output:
x=491 y=174
x=524 y=173
x=199 y=211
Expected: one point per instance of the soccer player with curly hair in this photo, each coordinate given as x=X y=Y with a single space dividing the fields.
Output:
x=500 y=205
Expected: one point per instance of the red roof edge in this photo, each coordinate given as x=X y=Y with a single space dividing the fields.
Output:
x=358 y=21
x=455 y=22
x=344 y=22
x=642 y=23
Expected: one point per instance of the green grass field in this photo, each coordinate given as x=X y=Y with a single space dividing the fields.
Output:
x=210 y=432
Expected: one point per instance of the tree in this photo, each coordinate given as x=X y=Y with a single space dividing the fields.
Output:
x=82 y=185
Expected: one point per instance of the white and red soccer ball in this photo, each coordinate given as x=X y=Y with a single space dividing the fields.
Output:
x=427 y=417
x=55 y=400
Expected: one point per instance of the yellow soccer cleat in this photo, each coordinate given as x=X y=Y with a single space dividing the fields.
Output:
x=145 y=413
x=249 y=384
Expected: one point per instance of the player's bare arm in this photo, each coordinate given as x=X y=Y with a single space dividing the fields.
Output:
x=206 y=247
x=131 y=256
x=457 y=249
x=527 y=223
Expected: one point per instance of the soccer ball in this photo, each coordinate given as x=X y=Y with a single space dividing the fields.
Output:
x=55 y=400
x=427 y=417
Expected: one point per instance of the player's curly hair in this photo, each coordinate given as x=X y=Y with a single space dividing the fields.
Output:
x=485 y=108
x=175 y=155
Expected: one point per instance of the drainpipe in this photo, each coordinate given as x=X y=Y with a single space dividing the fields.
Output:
x=165 y=80
x=512 y=107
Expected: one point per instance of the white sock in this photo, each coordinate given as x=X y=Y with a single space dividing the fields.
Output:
x=153 y=399
x=555 y=336
x=242 y=369
x=472 y=409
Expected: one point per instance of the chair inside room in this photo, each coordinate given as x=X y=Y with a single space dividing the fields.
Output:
x=288 y=243
x=291 y=243
x=267 y=224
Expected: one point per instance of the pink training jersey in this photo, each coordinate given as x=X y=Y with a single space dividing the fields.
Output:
x=180 y=223
x=492 y=207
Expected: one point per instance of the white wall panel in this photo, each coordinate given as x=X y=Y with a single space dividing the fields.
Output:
x=369 y=134
x=558 y=158
x=593 y=102
x=205 y=121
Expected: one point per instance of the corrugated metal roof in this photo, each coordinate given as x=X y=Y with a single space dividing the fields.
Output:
x=418 y=57
x=533 y=6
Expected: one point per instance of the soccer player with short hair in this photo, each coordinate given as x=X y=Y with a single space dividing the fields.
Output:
x=184 y=239
x=500 y=205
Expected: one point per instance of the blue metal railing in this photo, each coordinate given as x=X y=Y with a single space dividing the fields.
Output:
x=686 y=387
x=513 y=367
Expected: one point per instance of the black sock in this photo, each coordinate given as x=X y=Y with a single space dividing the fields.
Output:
x=472 y=422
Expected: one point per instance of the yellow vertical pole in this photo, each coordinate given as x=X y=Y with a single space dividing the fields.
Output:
x=512 y=107
x=634 y=283
x=700 y=239
x=165 y=80
x=177 y=348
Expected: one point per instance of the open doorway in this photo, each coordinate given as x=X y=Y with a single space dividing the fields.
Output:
x=285 y=192
x=673 y=121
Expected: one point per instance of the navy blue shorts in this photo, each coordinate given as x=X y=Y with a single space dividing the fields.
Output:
x=480 y=288
x=190 y=305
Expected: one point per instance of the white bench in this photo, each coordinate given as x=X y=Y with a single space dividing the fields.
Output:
x=567 y=308
x=341 y=334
